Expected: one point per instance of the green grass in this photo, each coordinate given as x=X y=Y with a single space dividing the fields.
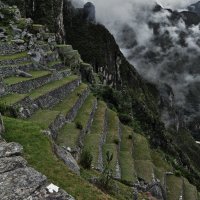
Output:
x=51 y=86
x=144 y=169
x=161 y=165
x=11 y=99
x=127 y=166
x=112 y=148
x=20 y=64
x=44 y=117
x=141 y=150
x=51 y=64
x=85 y=111
x=14 y=56
x=39 y=154
x=68 y=135
x=65 y=105
x=174 y=187
x=92 y=139
x=142 y=158
x=190 y=191
x=113 y=125
x=118 y=190
x=126 y=158
x=35 y=74
x=14 y=98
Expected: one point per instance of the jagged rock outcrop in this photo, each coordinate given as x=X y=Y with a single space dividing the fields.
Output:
x=18 y=181
x=68 y=159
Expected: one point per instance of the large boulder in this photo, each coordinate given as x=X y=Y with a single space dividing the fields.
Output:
x=67 y=158
x=20 y=183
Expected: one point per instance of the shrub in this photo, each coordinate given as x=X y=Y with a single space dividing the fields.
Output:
x=116 y=141
x=79 y=125
x=86 y=159
x=125 y=119
x=130 y=137
x=107 y=175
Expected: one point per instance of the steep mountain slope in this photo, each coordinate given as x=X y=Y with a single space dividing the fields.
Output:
x=66 y=114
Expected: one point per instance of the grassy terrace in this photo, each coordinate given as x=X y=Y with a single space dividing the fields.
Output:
x=17 y=79
x=112 y=139
x=51 y=86
x=126 y=157
x=174 y=187
x=69 y=134
x=141 y=154
x=51 y=64
x=14 y=98
x=190 y=191
x=65 y=105
x=11 y=99
x=14 y=56
x=112 y=148
x=161 y=165
x=113 y=125
x=20 y=64
x=38 y=147
x=44 y=117
x=92 y=139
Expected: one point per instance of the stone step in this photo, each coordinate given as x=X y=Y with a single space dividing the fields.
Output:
x=112 y=144
x=142 y=158
x=174 y=187
x=54 y=119
x=58 y=65
x=70 y=106
x=15 y=59
x=44 y=97
x=23 y=85
x=38 y=28
x=51 y=56
x=190 y=191
x=64 y=49
x=128 y=172
x=73 y=134
x=10 y=70
x=95 y=139
x=11 y=48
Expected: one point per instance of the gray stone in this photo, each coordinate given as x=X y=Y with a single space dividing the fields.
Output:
x=10 y=149
x=18 y=41
x=23 y=74
x=2 y=128
x=44 y=194
x=11 y=163
x=20 y=183
x=68 y=159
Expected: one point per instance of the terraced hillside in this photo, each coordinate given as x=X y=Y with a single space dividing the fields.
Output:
x=54 y=115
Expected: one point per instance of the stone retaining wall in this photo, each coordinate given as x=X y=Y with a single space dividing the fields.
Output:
x=27 y=86
x=15 y=61
x=74 y=110
x=61 y=120
x=102 y=141
x=88 y=126
x=118 y=168
x=26 y=107
x=7 y=71
x=9 y=49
